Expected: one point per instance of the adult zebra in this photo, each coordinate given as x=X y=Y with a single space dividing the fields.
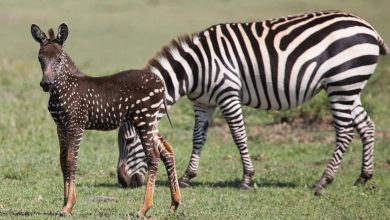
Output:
x=273 y=64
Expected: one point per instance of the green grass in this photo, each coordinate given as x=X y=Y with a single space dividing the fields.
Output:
x=110 y=36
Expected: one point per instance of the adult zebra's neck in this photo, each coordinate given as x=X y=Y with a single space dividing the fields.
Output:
x=178 y=64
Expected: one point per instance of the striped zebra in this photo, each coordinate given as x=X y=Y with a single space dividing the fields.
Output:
x=275 y=64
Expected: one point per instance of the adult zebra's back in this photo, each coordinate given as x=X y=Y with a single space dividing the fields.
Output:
x=272 y=64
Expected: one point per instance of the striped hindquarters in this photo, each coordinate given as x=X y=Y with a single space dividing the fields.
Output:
x=280 y=63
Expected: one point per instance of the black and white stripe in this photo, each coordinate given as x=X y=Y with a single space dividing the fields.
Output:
x=274 y=64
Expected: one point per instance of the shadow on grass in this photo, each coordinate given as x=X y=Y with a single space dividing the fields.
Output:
x=219 y=184
x=236 y=183
x=26 y=213
x=103 y=185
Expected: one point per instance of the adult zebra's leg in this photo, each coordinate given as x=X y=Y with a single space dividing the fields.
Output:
x=342 y=121
x=132 y=165
x=203 y=117
x=366 y=130
x=232 y=111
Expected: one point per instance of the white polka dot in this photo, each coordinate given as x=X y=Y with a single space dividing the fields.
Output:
x=146 y=98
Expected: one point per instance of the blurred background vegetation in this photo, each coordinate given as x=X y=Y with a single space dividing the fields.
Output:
x=108 y=36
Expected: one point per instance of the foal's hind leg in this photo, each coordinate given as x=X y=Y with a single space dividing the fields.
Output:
x=342 y=121
x=147 y=135
x=168 y=158
x=366 y=130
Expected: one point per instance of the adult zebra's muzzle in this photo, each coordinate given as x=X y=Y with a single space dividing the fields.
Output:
x=134 y=180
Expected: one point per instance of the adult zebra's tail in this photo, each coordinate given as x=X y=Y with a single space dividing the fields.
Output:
x=383 y=49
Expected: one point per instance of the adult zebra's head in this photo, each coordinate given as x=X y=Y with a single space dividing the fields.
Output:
x=132 y=166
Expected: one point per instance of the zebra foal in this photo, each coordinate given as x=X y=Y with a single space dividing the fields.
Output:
x=77 y=102
x=274 y=64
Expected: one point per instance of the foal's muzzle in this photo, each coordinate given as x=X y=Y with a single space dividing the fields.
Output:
x=46 y=85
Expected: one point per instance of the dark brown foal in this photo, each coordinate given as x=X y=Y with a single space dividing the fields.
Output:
x=78 y=102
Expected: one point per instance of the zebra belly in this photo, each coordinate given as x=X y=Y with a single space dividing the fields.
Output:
x=269 y=98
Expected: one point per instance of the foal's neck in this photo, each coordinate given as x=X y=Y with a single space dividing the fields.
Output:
x=67 y=75
x=68 y=67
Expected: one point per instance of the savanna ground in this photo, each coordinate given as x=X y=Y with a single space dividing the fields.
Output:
x=106 y=37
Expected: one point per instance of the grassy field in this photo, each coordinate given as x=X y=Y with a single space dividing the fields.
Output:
x=106 y=37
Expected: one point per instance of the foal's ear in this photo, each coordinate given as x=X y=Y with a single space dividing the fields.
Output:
x=62 y=33
x=37 y=34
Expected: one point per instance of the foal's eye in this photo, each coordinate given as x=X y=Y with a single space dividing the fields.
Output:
x=59 y=60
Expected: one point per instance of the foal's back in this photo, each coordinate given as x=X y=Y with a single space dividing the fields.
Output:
x=111 y=100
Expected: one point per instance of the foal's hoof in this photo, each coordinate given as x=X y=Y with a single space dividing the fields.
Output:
x=173 y=208
x=64 y=214
x=184 y=182
x=139 y=215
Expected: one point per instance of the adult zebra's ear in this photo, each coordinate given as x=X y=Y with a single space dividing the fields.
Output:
x=37 y=34
x=62 y=33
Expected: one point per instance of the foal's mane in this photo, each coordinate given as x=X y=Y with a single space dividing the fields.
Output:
x=73 y=68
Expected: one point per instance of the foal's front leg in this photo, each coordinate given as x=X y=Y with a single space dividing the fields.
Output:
x=62 y=138
x=69 y=148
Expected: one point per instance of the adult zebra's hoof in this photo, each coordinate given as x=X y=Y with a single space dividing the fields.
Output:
x=244 y=185
x=317 y=191
x=184 y=182
x=321 y=184
x=363 y=178
x=246 y=180
x=318 y=187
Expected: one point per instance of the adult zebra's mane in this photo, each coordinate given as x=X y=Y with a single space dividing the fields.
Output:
x=176 y=44
x=179 y=42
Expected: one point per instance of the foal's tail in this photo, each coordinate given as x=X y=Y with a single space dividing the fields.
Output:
x=166 y=111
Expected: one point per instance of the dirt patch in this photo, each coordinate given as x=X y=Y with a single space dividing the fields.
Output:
x=297 y=131
x=292 y=133
x=383 y=164
x=101 y=198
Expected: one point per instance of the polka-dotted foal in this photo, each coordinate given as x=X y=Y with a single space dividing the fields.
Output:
x=78 y=102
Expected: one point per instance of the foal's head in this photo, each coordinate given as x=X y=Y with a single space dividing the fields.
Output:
x=50 y=53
